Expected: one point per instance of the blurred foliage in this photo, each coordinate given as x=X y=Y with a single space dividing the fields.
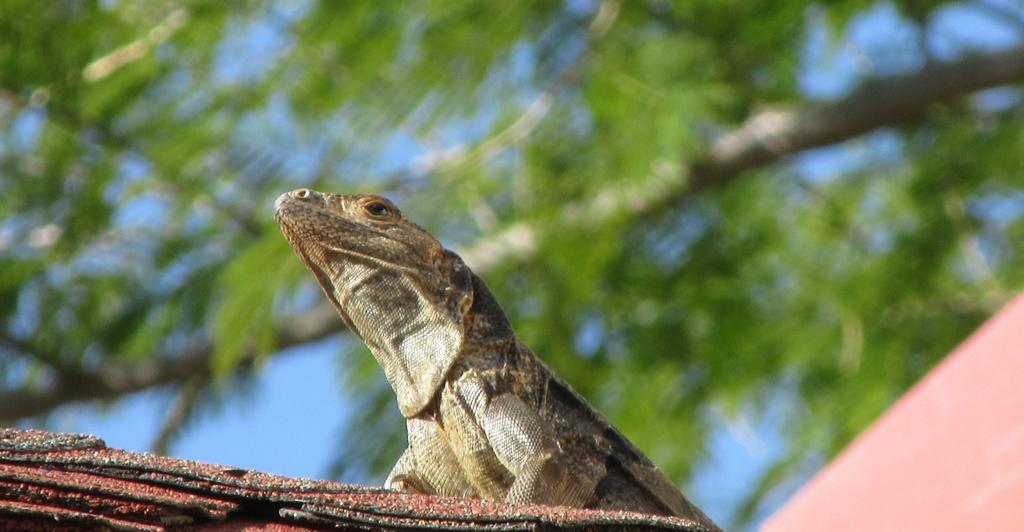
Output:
x=142 y=145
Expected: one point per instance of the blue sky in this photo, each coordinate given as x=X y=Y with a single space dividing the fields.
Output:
x=284 y=424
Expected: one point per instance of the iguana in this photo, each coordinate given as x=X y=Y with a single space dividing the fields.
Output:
x=485 y=417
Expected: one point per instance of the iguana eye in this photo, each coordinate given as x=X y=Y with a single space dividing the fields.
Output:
x=378 y=209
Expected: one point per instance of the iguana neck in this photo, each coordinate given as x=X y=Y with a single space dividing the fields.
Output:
x=486 y=321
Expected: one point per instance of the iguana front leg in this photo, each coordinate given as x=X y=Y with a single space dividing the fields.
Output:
x=428 y=464
x=509 y=452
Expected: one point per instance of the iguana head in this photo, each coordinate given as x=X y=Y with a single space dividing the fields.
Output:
x=393 y=284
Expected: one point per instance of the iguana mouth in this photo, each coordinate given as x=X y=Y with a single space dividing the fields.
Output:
x=281 y=205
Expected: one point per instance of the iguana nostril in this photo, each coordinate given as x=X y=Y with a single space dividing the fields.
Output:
x=306 y=194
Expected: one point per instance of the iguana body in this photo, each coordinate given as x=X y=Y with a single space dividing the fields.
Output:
x=486 y=418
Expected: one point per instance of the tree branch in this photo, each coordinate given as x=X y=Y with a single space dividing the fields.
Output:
x=769 y=136
x=137 y=49
x=115 y=379
x=763 y=139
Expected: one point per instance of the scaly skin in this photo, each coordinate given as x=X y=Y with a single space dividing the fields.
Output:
x=486 y=418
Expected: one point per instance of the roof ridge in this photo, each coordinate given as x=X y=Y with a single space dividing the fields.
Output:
x=75 y=480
